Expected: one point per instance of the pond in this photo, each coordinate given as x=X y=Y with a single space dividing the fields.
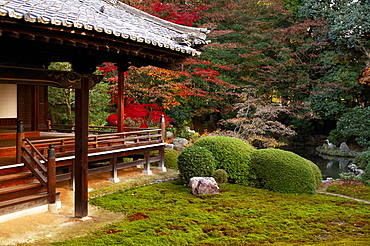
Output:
x=330 y=166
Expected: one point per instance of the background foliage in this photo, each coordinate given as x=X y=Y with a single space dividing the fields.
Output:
x=308 y=57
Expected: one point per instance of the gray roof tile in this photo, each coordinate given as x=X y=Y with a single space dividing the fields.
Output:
x=110 y=17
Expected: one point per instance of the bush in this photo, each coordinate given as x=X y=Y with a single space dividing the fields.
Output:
x=349 y=176
x=196 y=161
x=356 y=124
x=365 y=177
x=170 y=158
x=317 y=173
x=336 y=137
x=284 y=171
x=231 y=154
x=362 y=160
x=220 y=176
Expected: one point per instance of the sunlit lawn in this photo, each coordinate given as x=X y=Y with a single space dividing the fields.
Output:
x=167 y=214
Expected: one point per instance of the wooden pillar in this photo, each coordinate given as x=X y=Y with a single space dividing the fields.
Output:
x=114 y=174
x=163 y=128
x=51 y=174
x=147 y=163
x=121 y=100
x=19 y=141
x=35 y=108
x=81 y=148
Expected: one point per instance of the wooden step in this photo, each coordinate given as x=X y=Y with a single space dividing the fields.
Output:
x=23 y=199
x=12 y=168
x=20 y=190
x=13 y=179
x=23 y=203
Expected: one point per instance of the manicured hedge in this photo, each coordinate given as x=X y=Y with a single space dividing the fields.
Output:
x=317 y=173
x=231 y=154
x=170 y=158
x=220 y=176
x=196 y=161
x=284 y=171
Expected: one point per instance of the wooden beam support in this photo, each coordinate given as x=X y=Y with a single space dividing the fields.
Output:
x=37 y=76
x=81 y=148
x=122 y=68
x=121 y=101
x=35 y=108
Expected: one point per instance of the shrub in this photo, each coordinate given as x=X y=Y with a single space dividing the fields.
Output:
x=196 y=161
x=220 y=176
x=365 y=177
x=355 y=123
x=231 y=154
x=283 y=171
x=317 y=173
x=349 y=176
x=170 y=158
x=336 y=137
x=362 y=159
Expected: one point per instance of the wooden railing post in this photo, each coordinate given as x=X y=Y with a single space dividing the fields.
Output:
x=51 y=174
x=19 y=143
x=161 y=166
x=163 y=128
x=48 y=125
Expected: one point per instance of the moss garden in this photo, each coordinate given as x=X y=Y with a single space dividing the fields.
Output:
x=266 y=197
x=167 y=214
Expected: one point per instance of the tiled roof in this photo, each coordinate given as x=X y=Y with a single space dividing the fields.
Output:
x=110 y=17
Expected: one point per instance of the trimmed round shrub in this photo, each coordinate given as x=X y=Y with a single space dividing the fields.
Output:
x=196 y=161
x=231 y=154
x=317 y=173
x=283 y=171
x=170 y=158
x=220 y=176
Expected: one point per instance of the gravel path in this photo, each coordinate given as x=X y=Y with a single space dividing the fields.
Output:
x=348 y=197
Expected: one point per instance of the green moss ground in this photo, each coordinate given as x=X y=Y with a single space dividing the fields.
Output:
x=167 y=214
x=352 y=189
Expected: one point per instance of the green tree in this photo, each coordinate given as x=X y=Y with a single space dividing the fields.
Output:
x=62 y=101
x=355 y=124
x=348 y=21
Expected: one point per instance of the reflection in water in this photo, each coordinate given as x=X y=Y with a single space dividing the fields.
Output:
x=330 y=166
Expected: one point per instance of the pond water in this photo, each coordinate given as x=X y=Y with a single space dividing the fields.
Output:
x=330 y=166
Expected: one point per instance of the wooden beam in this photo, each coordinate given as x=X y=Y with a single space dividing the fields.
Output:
x=35 y=76
x=35 y=107
x=121 y=101
x=81 y=148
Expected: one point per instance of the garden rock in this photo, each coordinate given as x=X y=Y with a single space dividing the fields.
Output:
x=203 y=186
x=180 y=143
x=344 y=147
x=170 y=135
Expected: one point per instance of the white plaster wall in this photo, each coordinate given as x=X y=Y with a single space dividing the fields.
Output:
x=8 y=101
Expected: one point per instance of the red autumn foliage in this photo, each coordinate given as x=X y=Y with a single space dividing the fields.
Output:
x=183 y=14
x=140 y=115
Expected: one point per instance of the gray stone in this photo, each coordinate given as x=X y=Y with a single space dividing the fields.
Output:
x=203 y=186
x=344 y=147
x=170 y=135
x=180 y=143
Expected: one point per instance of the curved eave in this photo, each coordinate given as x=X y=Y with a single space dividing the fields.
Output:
x=121 y=29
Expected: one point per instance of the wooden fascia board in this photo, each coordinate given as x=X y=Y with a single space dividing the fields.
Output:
x=89 y=40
